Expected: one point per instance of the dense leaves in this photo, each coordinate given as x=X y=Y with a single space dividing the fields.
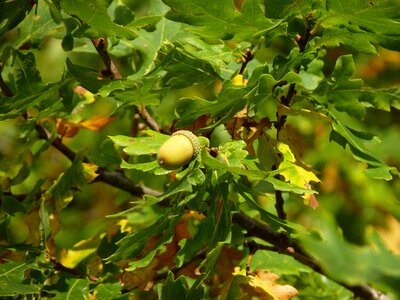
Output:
x=293 y=195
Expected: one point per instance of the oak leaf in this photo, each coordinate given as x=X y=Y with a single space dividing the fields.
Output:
x=265 y=284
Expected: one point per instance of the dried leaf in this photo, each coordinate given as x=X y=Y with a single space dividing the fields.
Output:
x=310 y=199
x=95 y=123
x=66 y=128
x=265 y=283
x=89 y=171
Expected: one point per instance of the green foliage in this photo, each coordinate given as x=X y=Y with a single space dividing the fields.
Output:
x=297 y=177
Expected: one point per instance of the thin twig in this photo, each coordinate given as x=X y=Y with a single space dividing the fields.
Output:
x=113 y=178
x=281 y=122
x=111 y=69
x=148 y=119
x=60 y=267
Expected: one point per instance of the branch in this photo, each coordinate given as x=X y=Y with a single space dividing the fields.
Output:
x=111 y=69
x=148 y=119
x=113 y=178
x=282 y=244
x=281 y=120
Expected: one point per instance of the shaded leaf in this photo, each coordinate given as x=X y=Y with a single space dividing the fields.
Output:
x=343 y=92
x=344 y=135
x=172 y=289
x=12 y=13
x=361 y=24
x=229 y=101
x=77 y=289
x=72 y=178
x=149 y=44
x=88 y=78
x=352 y=264
x=12 y=279
x=181 y=65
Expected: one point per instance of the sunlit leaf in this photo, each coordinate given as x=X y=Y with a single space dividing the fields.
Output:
x=220 y=19
x=141 y=145
x=349 y=263
x=369 y=23
x=265 y=284
x=94 y=13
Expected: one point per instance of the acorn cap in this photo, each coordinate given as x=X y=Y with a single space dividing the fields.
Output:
x=178 y=150
x=192 y=138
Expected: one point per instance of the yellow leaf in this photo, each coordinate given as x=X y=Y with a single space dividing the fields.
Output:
x=86 y=96
x=239 y=80
x=265 y=284
x=89 y=171
x=291 y=171
x=66 y=128
x=95 y=123
x=71 y=258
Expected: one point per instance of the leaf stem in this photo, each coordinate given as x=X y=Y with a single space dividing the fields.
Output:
x=148 y=119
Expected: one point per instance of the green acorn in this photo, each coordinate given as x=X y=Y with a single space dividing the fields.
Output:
x=17 y=230
x=178 y=150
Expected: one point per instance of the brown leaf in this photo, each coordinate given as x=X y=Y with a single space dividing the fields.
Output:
x=66 y=128
x=310 y=199
x=95 y=123
x=265 y=284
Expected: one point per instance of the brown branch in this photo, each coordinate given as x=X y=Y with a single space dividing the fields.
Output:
x=281 y=120
x=111 y=69
x=148 y=119
x=60 y=267
x=113 y=178
x=247 y=57
x=282 y=244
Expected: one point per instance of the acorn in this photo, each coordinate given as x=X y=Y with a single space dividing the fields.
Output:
x=17 y=230
x=178 y=150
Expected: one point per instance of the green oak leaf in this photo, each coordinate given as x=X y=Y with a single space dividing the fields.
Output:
x=343 y=91
x=360 y=24
x=94 y=13
x=221 y=19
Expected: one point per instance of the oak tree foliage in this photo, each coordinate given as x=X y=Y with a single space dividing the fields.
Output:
x=294 y=194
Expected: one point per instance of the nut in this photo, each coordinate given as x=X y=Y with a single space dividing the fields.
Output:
x=178 y=150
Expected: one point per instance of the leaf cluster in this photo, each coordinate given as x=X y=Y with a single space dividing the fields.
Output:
x=290 y=188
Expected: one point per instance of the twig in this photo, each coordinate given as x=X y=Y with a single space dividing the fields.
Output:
x=60 y=267
x=116 y=179
x=281 y=121
x=111 y=69
x=148 y=119
x=247 y=57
